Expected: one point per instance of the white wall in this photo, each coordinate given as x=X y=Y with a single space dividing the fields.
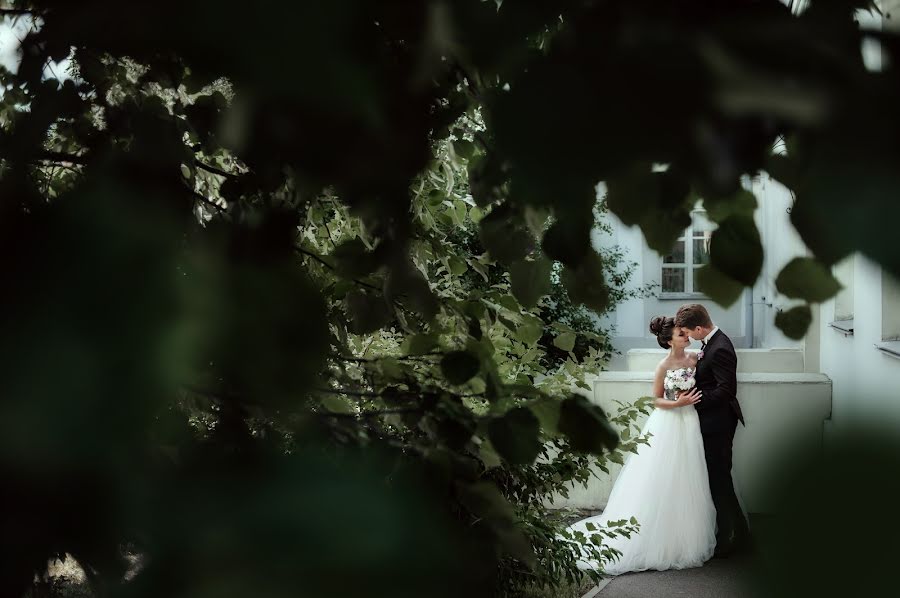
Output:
x=784 y=413
x=781 y=243
x=866 y=381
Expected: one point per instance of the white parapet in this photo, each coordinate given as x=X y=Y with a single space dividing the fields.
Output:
x=749 y=360
x=784 y=415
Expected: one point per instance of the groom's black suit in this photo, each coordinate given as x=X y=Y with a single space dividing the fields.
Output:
x=719 y=412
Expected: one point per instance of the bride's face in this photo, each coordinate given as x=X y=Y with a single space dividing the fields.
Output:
x=679 y=339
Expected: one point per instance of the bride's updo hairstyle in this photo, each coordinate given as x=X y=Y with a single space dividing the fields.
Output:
x=662 y=327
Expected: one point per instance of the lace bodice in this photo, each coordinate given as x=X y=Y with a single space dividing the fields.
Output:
x=678 y=379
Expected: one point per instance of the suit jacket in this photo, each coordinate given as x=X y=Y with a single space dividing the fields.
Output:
x=716 y=376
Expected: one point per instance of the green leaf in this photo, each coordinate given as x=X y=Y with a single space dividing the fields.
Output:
x=458 y=266
x=736 y=249
x=808 y=279
x=586 y=283
x=530 y=280
x=352 y=259
x=722 y=289
x=488 y=455
x=485 y=500
x=459 y=366
x=391 y=368
x=406 y=284
x=794 y=322
x=337 y=404
x=742 y=204
x=568 y=241
x=514 y=541
x=368 y=312
x=419 y=344
x=463 y=148
x=506 y=240
x=530 y=331
x=547 y=412
x=783 y=169
x=435 y=198
x=565 y=341
x=586 y=426
x=658 y=202
x=516 y=436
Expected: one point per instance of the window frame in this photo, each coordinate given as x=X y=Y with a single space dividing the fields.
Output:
x=687 y=237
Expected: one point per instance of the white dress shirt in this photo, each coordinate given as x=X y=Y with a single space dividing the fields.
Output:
x=706 y=338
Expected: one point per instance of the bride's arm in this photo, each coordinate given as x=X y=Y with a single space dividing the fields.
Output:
x=658 y=387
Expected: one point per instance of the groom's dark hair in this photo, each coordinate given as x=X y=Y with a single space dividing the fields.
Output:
x=693 y=315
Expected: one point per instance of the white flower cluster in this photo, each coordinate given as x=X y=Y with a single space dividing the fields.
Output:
x=680 y=379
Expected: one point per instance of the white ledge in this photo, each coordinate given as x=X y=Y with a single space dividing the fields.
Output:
x=845 y=327
x=737 y=349
x=889 y=348
x=745 y=378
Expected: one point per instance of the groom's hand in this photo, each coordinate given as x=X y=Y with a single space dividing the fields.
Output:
x=691 y=397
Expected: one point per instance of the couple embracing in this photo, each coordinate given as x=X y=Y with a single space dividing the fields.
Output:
x=679 y=488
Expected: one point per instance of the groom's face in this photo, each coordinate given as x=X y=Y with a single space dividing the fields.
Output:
x=696 y=334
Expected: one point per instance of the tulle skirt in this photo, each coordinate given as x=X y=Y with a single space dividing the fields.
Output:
x=665 y=486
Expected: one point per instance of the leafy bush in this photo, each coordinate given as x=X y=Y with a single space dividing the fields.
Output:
x=251 y=330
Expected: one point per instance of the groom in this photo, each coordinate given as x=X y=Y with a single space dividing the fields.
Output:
x=719 y=413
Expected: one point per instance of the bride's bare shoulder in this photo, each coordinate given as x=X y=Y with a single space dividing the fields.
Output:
x=663 y=364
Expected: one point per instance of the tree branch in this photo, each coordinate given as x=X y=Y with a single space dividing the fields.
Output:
x=207 y=201
x=215 y=170
x=51 y=156
x=381 y=357
x=370 y=413
x=408 y=393
x=319 y=259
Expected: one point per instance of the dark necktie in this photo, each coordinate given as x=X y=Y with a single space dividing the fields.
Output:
x=702 y=345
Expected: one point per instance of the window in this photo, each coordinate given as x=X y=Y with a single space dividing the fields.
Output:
x=890 y=316
x=843 y=301
x=690 y=252
x=842 y=321
x=890 y=307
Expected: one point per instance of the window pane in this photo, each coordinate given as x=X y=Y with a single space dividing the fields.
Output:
x=672 y=280
x=701 y=251
x=677 y=255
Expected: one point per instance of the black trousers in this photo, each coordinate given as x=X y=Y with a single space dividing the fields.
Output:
x=717 y=444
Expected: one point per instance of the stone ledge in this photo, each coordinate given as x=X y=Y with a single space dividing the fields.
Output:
x=742 y=378
x=750 y=361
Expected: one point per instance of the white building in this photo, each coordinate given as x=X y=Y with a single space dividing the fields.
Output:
x=796 y=395
x=749 y=322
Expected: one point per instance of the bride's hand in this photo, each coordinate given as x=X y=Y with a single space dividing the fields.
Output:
x=689 y=398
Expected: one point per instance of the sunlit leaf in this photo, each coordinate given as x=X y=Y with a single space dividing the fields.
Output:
x=565 y=341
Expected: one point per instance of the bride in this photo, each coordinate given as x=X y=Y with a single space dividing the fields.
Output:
x=665 y=485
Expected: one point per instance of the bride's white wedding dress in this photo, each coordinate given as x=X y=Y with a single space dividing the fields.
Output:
x=666 y=488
